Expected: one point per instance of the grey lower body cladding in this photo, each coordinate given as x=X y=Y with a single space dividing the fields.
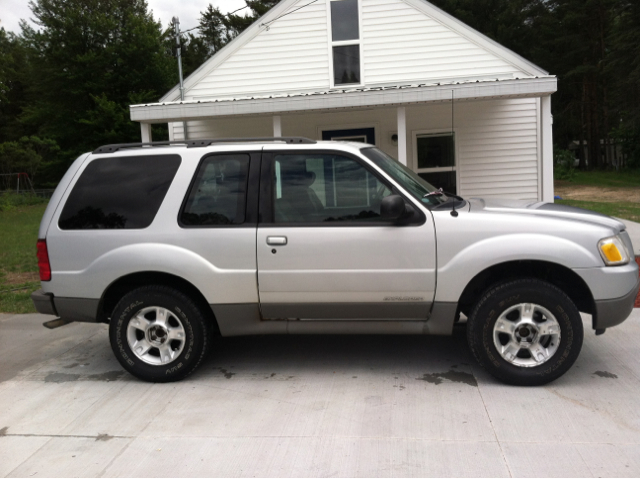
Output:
x=246 y=319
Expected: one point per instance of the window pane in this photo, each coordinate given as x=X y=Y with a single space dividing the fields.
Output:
x=435 y=151
x=218 y=196
x=344 y=20
x=445 y=180
x=325 y=188
x=346 y=64
x=122 y=192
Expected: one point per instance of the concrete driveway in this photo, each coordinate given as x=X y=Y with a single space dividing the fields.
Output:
x=312 y=406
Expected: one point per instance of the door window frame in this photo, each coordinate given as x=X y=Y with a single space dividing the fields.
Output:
x=266 y=203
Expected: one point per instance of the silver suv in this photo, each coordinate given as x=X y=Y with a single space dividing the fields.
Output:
x=172 y=243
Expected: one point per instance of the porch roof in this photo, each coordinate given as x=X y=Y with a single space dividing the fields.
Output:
x=345 y=98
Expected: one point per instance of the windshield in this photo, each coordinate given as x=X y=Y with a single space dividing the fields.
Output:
x=415 y=185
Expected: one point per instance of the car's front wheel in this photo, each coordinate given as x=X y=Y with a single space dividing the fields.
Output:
x=159 y=334
x=525 y=332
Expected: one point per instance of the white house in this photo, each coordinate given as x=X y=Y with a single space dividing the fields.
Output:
x=461 y=110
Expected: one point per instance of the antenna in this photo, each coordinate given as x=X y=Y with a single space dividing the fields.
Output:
x=454 y=213
x=176 y=26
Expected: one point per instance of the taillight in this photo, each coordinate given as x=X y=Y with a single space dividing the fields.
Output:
x=43 y=261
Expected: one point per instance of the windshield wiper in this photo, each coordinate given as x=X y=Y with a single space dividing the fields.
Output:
x=454 y=198
x=434 y=193
x=441 y=192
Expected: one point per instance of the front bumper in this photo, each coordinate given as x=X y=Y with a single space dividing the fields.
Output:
x=611 y=312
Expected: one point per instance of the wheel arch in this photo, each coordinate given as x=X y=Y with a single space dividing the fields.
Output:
x=117 y=289
x=558 y=275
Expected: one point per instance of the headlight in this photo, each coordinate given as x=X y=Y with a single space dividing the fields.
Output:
x=613 y=251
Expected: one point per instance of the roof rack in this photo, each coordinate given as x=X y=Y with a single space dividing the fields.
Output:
x=290 y=140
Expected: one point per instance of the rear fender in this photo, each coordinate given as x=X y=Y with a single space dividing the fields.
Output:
x=217 y=285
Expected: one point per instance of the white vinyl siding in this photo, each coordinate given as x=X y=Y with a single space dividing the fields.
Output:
x=402 y=44
x=240 y=127
x=291 y=55
x=498 y=149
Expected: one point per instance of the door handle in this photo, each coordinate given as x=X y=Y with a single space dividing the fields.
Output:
x=276 y=240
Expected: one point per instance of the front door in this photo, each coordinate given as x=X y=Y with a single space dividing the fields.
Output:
x=323 y=250
x=362 y=135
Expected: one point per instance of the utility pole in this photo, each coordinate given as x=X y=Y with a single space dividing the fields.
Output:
x=176 y=25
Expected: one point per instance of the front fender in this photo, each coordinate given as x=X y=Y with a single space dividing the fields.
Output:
x=454 y=273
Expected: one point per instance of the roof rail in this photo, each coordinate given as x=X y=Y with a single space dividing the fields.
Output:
x=290 y=140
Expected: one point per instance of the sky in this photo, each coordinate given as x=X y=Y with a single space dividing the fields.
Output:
x=12 y=11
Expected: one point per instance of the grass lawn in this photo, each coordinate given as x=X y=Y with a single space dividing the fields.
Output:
x=615 y=193
x=607 y=179
x=18 y=263
x=627 y=211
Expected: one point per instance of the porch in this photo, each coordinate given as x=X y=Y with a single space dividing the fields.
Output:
x=487 y=139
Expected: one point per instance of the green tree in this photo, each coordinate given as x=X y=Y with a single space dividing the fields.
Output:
x=570 y=39
x=623 y=65
x=195 y=51
x=13 y=82
x=27 y=155
x=90 y=59
x=217 y=29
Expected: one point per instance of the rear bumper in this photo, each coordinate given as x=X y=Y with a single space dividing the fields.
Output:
x=43 y=302
x=612 y=312
x=69 y=309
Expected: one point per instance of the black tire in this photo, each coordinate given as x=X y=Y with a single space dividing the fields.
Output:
x=183 y=313
x=503 y=297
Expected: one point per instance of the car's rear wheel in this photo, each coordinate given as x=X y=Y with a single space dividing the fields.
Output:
x=525 y=332
x=159 y=334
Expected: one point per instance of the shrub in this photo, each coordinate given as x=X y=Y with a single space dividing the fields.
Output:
x=10 y=200
x=563 y=165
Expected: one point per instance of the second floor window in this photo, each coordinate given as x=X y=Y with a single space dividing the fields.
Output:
x=345 y=41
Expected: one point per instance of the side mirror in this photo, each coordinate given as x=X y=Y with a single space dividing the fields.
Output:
x=392 y=207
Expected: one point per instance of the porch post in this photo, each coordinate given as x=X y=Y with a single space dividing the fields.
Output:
x=277 y=126
x=547 y=148
x=145 y=132
x=402 y=135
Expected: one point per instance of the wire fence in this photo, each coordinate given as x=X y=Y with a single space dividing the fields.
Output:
x=41 y=193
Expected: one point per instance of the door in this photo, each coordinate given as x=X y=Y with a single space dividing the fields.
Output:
x=436 y=159
x=362 y=135
x=323 y=250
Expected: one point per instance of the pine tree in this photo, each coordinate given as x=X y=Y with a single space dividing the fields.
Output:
x=90 y=60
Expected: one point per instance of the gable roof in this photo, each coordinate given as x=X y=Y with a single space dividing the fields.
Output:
x=285 y=7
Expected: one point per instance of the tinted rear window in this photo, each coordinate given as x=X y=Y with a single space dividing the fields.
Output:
x=119 y=193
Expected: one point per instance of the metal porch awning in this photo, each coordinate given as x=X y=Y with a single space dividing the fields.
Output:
x=344 y=98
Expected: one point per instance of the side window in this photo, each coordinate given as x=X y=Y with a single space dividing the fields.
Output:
x=324 y=189
x=219 y=193
x=119 y=193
